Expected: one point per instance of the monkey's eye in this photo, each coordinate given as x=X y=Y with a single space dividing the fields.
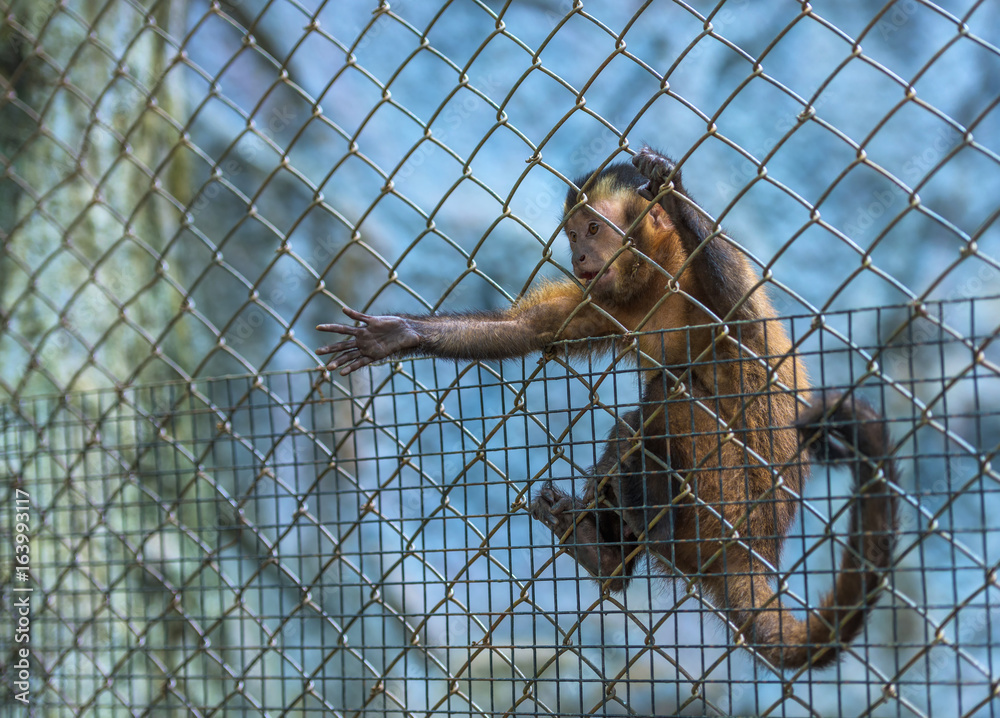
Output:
x=572 y=236
x=593 y=227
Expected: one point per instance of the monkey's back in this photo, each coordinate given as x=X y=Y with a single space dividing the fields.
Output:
x=732 y=443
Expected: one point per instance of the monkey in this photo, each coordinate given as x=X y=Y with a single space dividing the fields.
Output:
x=705 y=476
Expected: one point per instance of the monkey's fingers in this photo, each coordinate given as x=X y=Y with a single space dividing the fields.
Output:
x=340 y=329
x=359 y=361
x=338 y=347
x=654 y=167
x=357 y=316
x=344 y=357
x=550 y=504
x=347 y=328
x=651 y=164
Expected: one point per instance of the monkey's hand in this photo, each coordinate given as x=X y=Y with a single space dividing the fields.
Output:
x=654 y=167
x=553 y=508
x=377 y=338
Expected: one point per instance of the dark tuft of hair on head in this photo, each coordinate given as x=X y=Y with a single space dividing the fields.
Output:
x=615 y=179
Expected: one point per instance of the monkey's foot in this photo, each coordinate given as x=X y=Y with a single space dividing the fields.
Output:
x=654 y=167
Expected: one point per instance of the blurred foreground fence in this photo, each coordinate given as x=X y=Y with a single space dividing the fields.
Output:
x=194 y=520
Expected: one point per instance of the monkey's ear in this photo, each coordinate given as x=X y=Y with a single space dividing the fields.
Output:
x=659 y=218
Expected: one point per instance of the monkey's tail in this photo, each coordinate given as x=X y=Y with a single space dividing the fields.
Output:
x=840 y=428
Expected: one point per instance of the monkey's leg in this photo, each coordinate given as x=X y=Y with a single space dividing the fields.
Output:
x=598 y=538
x=644 y=488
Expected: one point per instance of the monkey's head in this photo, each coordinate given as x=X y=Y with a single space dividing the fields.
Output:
x=599 y=260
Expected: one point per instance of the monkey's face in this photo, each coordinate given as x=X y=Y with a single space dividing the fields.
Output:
x=599 y=260
x=594 y=244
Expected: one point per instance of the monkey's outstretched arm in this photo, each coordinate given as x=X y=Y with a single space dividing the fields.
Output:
x=480 y=335
x=528 y=326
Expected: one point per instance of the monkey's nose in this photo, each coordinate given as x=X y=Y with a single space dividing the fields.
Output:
x=581 y=259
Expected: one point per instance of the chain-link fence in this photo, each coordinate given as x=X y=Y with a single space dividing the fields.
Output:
x=196 y=520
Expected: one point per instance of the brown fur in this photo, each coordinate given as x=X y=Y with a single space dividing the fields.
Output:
x=707 y=473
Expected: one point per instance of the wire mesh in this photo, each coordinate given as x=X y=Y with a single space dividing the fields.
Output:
x=195 y=520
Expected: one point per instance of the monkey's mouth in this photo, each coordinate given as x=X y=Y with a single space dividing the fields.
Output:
x=586 y=276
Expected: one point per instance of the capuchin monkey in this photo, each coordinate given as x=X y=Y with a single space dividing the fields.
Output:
x=706 y=475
